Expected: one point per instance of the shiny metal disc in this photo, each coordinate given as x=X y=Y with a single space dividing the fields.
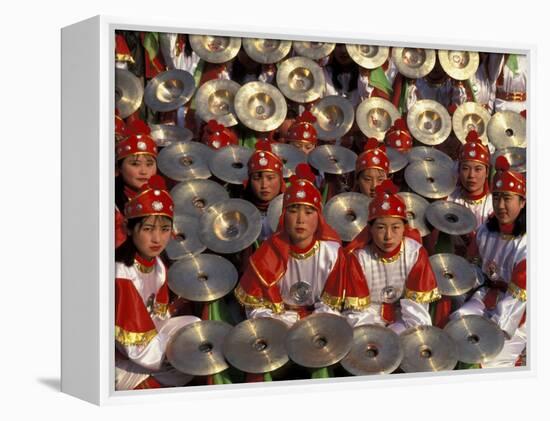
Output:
x=266 y=51
x=165 y=135
x=230 y=163
x=398 y=160
x=128 y=92
x=186 y=242
x=431 y=155
x=260 y=106
x=368 y=56
x=332 y=159
x=348 y=214
x=290 y=155
x=301 y=79
x=185 y=161
x=202 y=278
x=451 y=218
x=517 y=157
x=413 y=62
x=427 y=348
x=416 y=211
x=430 y=179
x=169 y=90
x=376 y=350
x=334 y=115
x=375 y=116
x=429 y=122
x=455 y=275
x=215 y=101
x=215 y=49
x=471 y=116
x=274 y=211
x=193 y=197
x=312 y=49
x=460 y=65
x=506 y=129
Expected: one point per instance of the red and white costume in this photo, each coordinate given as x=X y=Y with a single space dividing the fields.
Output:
x=481 y=86
x=401 y=283
x=511 y=84
x=504 y=261
x=287 y=283
x=365 y=87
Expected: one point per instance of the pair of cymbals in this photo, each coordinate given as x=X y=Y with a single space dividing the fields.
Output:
x=347 y=213
x=413 y=63
x=230 y=163
x=398 y=160
x=215 y=49
x=260 y=106
x=332 y=159
x=335 y=116
x=169 y=90
x=312 y=49
x=427 y=348
x=290 y=155
x=186 y=242
x=471 y=116
x=416 y=210
x=430 y=179
x=128 y=92
x=477 y=338
x=266 y=51
x=517 y=157
x=230 y=226
x=459 y=65
x=368 y=56
x=300 y=79
x=429 y=122
x=185 y=161
x=507 y=129
x=376 y=350
x=193 y=197
x=455 y=275
x=215 y=101
x=203 y=278
x=375 y=116
x=165 y=135
x=430 y=155
x=451 y=218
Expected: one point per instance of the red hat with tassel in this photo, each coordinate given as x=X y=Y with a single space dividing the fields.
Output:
x=302 y=189
x=373 y=156
x=474 y=150
x=152 y=199
x=507 y=181
x=217 y=136
x=399 y=137
x=386 y=202
x=263 y=159
x=303 y=129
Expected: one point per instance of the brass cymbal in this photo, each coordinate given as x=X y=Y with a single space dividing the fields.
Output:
x=506 y=129
x=186 y=242
x=477 y=338
x=368 y=56
x=169 y=90
x=430 y=180
x=266 y=51
x=230 y=226
x=128 y=92
x=427 y=348
x=215 y=101
x=375 y=116
x=312 y=49
x=215 y=49
x=319 y=340
x=332 y=159
x=471 y=116
x=347 y=213
x=185 y=161
x=290 y=155
x=300 y=79
x=459 y=65
x=334 y=115
x=165 y=135
x=274 y=211
x=230 y=163
x=455 y=275
x=429 y=122
x=203 y=278
x=196 y=348
x=517 y=157
x=376 y=350
x=416 y=211
x=260 y=106
x=413 y=62
x=398 y=160
x=257 y=345
x=431 y=155
x=192 y=197
x=451 y=218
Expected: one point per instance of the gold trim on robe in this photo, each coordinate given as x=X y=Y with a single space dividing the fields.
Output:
x=332 y=301
x=252 y=301
x=356 y=303
x=302 y=256
x=517 y=292
x=423 y=297
x=134 y=338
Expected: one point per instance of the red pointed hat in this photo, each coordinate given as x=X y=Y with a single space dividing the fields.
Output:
x=373 y=156
x=386 y=202
x=140 y=144
x=122 y=52
x=302 y=129
x=263 y=159
x=152 y=199
x=474 y=150
x=217 y=136
x=508 y=181
x=120 y=128
x=399 y=137
x=302 y=189
x=137 y=126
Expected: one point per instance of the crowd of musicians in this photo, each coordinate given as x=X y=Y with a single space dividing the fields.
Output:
x=291 y=210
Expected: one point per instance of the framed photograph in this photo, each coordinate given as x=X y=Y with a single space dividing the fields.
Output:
x=246 y=210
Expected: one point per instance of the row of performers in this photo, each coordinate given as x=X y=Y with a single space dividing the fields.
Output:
x=383 y=276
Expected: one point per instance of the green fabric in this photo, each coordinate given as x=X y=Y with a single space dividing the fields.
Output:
x=325 y=193
x=402 y=107
x=217 y=310
x=320 y=373
x=151 y=44
x=267 y=377
x=197 y=75
x=379 y=80
x=512 y=63
x=248 y=139
x=469 y=84
x=222 y=378
x=467 y=366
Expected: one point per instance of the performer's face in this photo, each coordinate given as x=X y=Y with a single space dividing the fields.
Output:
x=369 y=179
x=136 y=170
x=301 y=223
x=387 y=233
x=472 y=176
x=305 y=147
x=152 y=235
x=265 y=185
x=507 y=206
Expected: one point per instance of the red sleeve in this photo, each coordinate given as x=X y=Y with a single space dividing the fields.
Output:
x=333 y=294
x=472 y=251
x=357 y=295
x=519 y=274
x=120 y=233
x=251 y=292
x=421 y=284
x=131 y=317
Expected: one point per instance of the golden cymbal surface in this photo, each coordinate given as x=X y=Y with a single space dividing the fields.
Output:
x=128 y=92
x=290 y=155
x=398 y=160
x=459 y=65
x=169 y=90
x=186 y=242
x=274 y=211
x=413 y=62
x=312 y=49
x=451 y=218
x=165 y=135
x=215 y=101
x=416 y=211
x=193 y=197
x=332 y=159
x=347 y=213
x=471 y=116
x=368 y=56
x=300 y=79
x=215 y=49
x=430 y=155
x=375 y=116
x=455 y=275
x=517 y=157
x=429 y=122
x=427 y=348
x=430 y=180
x=507 y=129
x=260 y=106
x=335 y=116
x=266 y=51
x=185 y=161
x=230 y=163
